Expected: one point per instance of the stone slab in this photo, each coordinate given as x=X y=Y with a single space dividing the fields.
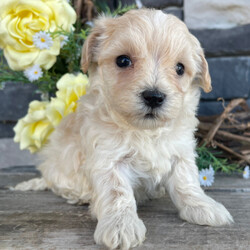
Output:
x=178 y=12
x=214 y=14
x=225 y=42
x=6 y=129
x=230 y=77
x=210 y=107
x=11 y=155
x=207 y=107
x=15 y=99
x=161 y=4
x=42 y=220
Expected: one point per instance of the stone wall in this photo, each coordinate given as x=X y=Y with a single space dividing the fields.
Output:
x=15 y=99
x=222 y=27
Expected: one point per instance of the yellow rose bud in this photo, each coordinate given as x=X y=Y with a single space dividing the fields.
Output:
x=33 y=130
x=20 y=20
x=56 y=111
x=70 y=88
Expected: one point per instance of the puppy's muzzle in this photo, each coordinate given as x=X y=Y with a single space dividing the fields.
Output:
x=153 y=98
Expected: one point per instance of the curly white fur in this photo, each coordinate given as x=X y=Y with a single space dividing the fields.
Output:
x=108 y=154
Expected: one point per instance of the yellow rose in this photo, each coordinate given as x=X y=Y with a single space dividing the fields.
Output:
x=33 y=130
x=70 y=88
x=20 y=20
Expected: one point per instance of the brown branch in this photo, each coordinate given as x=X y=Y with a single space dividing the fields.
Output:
x=78 y=8
x=245 y=115
x=212 y=131
x=233 y=137
x=89 y=9
x=241 y=126
x=85 y=10
x=242 y=157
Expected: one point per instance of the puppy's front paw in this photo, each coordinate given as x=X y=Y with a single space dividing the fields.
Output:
x=124 y=231
x=211 y=213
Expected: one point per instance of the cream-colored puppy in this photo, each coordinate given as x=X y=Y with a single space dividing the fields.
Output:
x=132 y=136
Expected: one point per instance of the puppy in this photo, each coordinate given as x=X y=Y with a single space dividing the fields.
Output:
x=132 y=136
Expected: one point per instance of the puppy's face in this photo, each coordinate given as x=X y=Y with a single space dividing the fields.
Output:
x=147 y=62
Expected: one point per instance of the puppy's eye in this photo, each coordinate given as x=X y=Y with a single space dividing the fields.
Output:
x=179 y=68
x=123 y=61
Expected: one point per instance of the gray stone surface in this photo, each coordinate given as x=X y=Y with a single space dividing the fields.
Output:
x=6 y=129
x=210 y=107
x=225 y=42
x=42 y=220
x=161 y=4
x=230 y=77
x=175 y=11
x=11 y=155
x=210 y=14
x=124 y=2
x=15 y=98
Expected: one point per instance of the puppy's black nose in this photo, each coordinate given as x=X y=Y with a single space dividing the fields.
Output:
x=153 y=98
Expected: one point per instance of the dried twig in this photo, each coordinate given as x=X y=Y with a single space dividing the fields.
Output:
x=242 y=157
x=229 y=131
x=233 y=137
x=210 y=135
x=85 y=10
x=239 y=126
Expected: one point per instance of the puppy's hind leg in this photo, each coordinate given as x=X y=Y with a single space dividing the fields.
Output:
x=36 y=184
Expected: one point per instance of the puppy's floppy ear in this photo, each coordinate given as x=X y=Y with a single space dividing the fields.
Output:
x=204 y=76
x=93 y=41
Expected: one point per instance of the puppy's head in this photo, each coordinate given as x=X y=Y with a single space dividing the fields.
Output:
x=147 y=62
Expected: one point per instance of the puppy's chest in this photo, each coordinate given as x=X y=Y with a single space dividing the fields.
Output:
x=153 y=159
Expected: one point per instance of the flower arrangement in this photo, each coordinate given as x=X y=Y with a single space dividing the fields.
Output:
x=41 y=42
x=24 y=29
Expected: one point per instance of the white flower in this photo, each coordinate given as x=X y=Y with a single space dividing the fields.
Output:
x=246 y=172
x=33 y=73
x=138 y=4
x=90 y=24
x=211 y=169
x=207 y=176
x=63 y=40
x=42 y=40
